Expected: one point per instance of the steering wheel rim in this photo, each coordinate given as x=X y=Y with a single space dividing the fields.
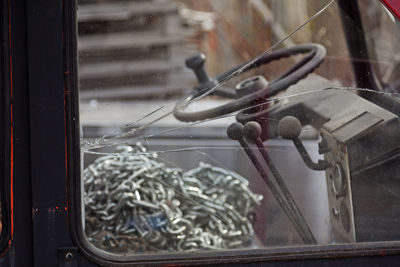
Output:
x=299 y=71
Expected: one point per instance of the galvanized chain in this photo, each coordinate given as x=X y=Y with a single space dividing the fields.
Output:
x=135 y=203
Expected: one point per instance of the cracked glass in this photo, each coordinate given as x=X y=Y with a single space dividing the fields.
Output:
x=221 y=124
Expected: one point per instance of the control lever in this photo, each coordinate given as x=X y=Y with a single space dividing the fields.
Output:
x=248 y=136
x=289 y=127
x=196 y=63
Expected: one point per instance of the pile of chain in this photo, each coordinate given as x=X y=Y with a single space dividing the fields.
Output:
x=135 y=203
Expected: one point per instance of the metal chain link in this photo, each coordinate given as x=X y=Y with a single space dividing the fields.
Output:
x=135 y=203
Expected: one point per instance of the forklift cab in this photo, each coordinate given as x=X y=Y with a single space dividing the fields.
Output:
x=200 y=132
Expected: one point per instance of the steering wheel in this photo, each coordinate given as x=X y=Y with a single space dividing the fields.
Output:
x=315 y=55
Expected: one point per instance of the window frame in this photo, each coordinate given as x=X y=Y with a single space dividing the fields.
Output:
x=6 y=144
x=359 y=254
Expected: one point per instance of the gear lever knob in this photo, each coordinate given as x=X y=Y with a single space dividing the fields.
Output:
x=196 y=63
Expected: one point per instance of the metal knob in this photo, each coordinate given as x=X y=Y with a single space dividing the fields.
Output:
x=289 y=127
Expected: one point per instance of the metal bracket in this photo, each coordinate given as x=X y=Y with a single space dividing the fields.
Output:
x=68 y=257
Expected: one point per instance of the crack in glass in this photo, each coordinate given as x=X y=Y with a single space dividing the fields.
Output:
x=138 y=200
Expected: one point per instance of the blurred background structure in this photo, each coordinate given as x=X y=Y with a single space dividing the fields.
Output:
x=131 y=49
x=135 y=49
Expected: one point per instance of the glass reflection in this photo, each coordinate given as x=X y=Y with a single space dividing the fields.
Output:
x=264 y=139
